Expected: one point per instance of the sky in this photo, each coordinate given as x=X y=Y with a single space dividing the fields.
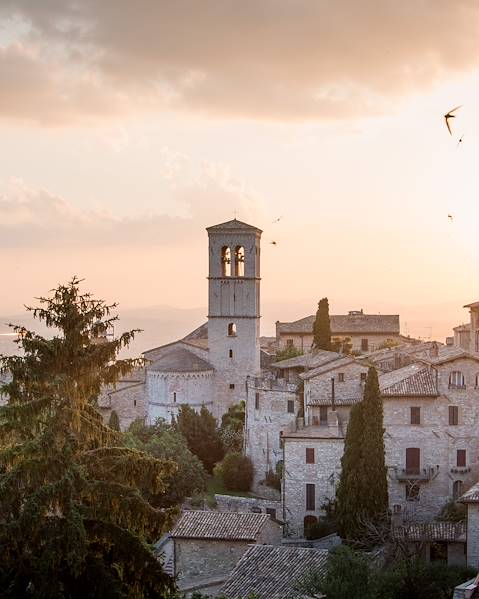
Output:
x=128 y=127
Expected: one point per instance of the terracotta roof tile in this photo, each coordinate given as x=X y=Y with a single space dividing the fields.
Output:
x=342 y=324
x=432 y=531
x=229 y=526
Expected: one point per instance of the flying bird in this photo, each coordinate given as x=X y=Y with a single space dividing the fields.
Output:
x=460 y=140
x=450 y=217
x=276 y=220
x=449 y=116
x=273 y=243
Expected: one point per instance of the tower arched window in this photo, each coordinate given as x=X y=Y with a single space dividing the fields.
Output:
x=239 y=261
x=457 y=489
x=231 y=329
x=456 y=380
x=226 y=261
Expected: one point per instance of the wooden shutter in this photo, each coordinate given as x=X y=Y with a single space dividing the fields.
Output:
x=413 y=460
x=309 y=455
x=415 y=415
x=453 y=415
x=310 y=497
x=461 y=458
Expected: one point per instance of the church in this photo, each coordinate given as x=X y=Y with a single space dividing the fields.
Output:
x=210 y=365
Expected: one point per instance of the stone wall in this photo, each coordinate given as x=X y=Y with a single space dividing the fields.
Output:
x=304 y=341
x=128 y=401
x=473 y=535
x=230 y=503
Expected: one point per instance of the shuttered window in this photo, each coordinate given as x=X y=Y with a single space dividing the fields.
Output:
x=415 y=415
x=310 y=497
x=461 y=458
x=453 y=415
x=309 y=455
x=413 y=460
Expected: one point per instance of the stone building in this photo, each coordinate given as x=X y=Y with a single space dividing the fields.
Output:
x=210 y=365
x=466 y=336
x=471 y=501
x=431 y=411
x=208 y=545
x=366 y=331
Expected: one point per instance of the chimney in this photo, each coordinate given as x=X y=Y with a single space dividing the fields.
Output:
x=434 y=350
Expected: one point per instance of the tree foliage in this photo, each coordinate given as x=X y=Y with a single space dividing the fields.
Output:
x=163 y=441
x=202 y=435
x=362 y=493
x=322 y=326
x=114 y=421
x=287 y=353
x=232 y=427
x=237 y=472
x=74 y=523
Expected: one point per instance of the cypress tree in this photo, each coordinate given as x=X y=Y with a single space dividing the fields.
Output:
x=362 y=493
x=322 y=326
x=74 y=523
x=114 y=421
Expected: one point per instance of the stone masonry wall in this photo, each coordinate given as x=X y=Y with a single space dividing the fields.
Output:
x=473 y=535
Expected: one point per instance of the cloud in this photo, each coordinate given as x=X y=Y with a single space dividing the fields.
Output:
x=36 y=218
x=270 y=59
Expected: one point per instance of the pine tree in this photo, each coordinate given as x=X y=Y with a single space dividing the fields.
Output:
x=362 y=493
x=114 y=421
x=322 y=326
x=73 y=522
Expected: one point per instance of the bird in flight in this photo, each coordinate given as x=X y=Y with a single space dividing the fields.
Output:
x=450 y=217
x=449 y=116
x=273 y=243
x=276 y=220
x=460 y=140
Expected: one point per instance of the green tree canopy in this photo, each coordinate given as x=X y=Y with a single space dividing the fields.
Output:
x=74 y=523
x=163 y=441
x=232 y=427
x=202 y=435
x=322 y=326
x=362 y=493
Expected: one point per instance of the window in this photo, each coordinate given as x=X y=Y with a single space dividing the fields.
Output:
x=225 y=261
x=231 y=329
x=232 y=385
x=340 y=377
x=461 y=458
x=364 y=376
x=309 y=455
x=415 y=415
x=289 y=343
x=310 y=497
x=239 y=261
x=256 y=401
x=457 y=489
x=290 y=406
x=323 y=414
x=174 y=396
x=453 y=415
x=477 y=380
x=364 y=344
x=456 y=380
x=134 y=402
x=412 y=491
x=271 y=512
x=413 y=460
x=231 y=353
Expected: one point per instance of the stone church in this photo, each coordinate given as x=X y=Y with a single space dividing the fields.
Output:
x=211 y=364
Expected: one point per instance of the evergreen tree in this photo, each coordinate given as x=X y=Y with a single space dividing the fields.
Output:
x=201 y=434
x=114 y=421
x=322 y=326
x=232 y=427
x=362 y=493
x=73 y=522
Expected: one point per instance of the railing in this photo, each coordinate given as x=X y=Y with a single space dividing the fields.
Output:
x=416 y=474
x=460 y=469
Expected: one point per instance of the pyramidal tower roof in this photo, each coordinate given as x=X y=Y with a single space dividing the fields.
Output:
x=233 y=225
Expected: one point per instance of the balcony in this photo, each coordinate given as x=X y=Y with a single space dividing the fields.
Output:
x=416 y=474
x=460 y=470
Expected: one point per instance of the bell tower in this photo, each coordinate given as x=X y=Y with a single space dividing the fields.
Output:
x=233 y=309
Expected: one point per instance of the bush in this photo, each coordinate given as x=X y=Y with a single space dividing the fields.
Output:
x=273 y=480
x=320 y=529
x=237 y=472
x=453 y=512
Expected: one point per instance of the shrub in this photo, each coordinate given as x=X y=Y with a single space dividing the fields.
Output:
x=237 y=472
x=453 y=512
x=273 y=480
x=320 y=529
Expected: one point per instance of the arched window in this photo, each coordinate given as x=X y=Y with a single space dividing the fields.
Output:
x=231 y=329
x=456 y=380
x=309 y=521
x=457 y=489
x=226 y=261
x=239 y=261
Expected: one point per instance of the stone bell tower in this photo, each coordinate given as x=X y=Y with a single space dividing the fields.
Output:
x=233 y=309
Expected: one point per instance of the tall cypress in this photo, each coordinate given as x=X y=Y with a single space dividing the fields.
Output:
x=322 y=326
x=362 y=493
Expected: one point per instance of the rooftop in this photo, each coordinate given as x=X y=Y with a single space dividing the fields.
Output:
x=310 y=360
x=272 y=572
x=234 y=224
x=220 y=526
x=332 y=365
x=432 y=531
x=343 y=324
x=471 y=496
x=180 y=360
x=412 y=380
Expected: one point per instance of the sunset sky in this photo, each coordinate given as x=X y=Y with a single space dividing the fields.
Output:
x=128 y=127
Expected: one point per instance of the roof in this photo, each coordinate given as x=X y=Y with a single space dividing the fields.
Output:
x=471 y=496
x=432 y=531
x=412 y=380
x=448 y=354
x=272 y=572
x=233 y=225
x=198 y=338
x=310 y=360
x=180 y=360
x=342 y=324
x=220 y=526
x=333 y=365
